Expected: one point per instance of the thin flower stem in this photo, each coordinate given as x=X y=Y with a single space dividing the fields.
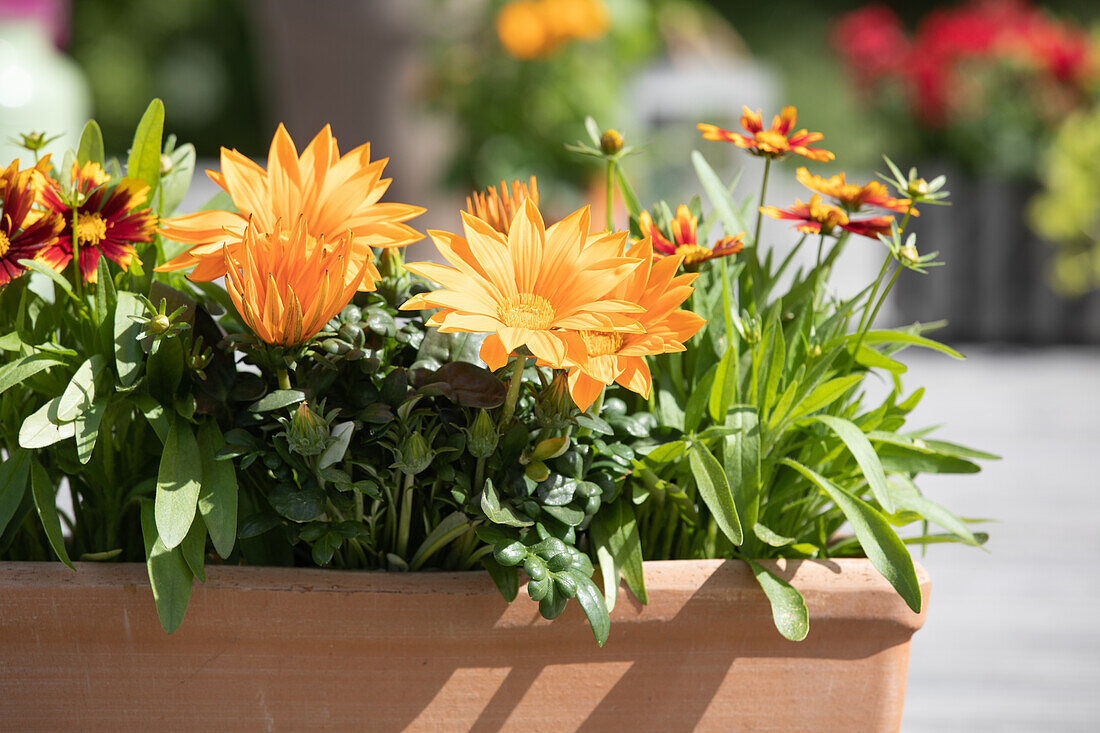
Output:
x=726 y=304
x=405 y=520
x=881 y=300
x=763 y=192
x=874 y=290
x=284 y=378
x=754 y=269
x=513 y=392
x=610 y=193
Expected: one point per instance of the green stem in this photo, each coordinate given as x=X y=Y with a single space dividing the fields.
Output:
x=726 y=304
x=284 y=378
x=874 y=290
x=754 y=263
x=759 y=213
x=479 y=475
x=874 y=313
x=405 y=520
x=513 y=392
x=610 y=192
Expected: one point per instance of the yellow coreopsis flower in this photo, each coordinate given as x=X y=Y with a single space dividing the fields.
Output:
x=288 y=284
x=330 y=193
x=525 y=288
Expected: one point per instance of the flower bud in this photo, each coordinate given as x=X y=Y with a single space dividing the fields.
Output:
x=159 y=324
x=909 y=252
x=307 y=434
x=554 y=406
x=415 y=455
x=481 y=437
x=815 y=350
x=611 y=142
x=918 y=188
x=165 y=164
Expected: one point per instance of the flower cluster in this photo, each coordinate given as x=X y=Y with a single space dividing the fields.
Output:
x=25 y=231
x=303 y=231
x=935 y=66
x=530 y=29
x=774 y=142
x=575 y=301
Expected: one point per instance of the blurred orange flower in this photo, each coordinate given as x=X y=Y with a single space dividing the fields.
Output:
x=498 y=209
x=288 y=284
x=816 y=217
x=23 y=232
x=109 y=221
x=775 y=142
x=530 y=29
x=598 y=358
x=523 y=289
x=684 y=242
x=852 y=196
x=332 y=194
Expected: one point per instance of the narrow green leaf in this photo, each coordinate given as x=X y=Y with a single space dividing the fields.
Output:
x=908 y=497
x=614 y=533
x=777 y=358
x=633 y=205
x=127 y=334
x=193 y=549
x=24 y=368
x=718 y=195
x=169 y=575
x=90 y=149
x=453 y=526
x=699 y=399
x=13 y=484
x=959 y=451
x=178 y=482
x=877 y=538
x=900 y=337
x=868 y=357
x=770 y=537
x=741 y=460
x=144 y=161
x=723 y=391
x=715 y=490
x=218 y=495
x=824 y=395
x=80 y=391
x=865 y=456
x=45 y=501
x=58 y=279
x=86 y=429
x=789 y=613
x=42 y=427
x=591 y=600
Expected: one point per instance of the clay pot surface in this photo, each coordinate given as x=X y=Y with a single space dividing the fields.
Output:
x=294 y=649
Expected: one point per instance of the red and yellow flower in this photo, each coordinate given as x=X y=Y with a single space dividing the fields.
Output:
x=24 y=231
x=684 y=242
x=107 y=222
x=852 y=196
x=287 y=284
x=775 y=142
x=529 y=287
x=598 y=358
x=332 y=194
x=816 y=217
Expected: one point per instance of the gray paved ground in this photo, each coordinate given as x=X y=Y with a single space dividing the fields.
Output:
x=1012 y=641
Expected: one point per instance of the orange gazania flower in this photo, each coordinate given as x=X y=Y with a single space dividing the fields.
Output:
x=498 y=209
x=109 y=222
x=600 y=358
x=774 y=143
x=852 y=196
x=816 y=217
x=331 y=193
x=684 y=242
x=525 y=288
x=24 y=233
x=287 y=284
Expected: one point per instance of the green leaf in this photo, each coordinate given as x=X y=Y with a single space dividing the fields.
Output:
x=877 y=538
x=591 y=600
x=901 y=337
x=699 y=399
x=193 y=548
x=169 y=575
x=298 y=504
x=144 y=161
x=278 y=399
x=959 y=451
x=715 y=490
x=907 y=497
x=630 y=198
x=614 y=534
x=127 y=337
x=868 y=357
x=593 y=129
x=776 y=359
x=770 y=537
x=49 y=272
x=42 y=428
x=80 y=391
x=498 y=513
x=174 y=185
x=45 y=501
x=90 y=149
x=718 y=195
x=86 y=429
x=24 y=368
x=13 y=484
x=723 y=391
x=792 y=620
x=453 y=526
x=824 y=395
x=178 y=482
x=505 y=578
x=218 y=495
x=741 y=459
x=864 y=454
x=164 y=370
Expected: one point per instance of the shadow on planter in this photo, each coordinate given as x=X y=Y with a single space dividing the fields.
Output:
x=291 y=648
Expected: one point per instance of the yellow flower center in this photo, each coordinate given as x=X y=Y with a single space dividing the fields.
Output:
x=90 y=228
x=771 y=141
x=826 y=215
x=602 y=343
x=693 y=253
x=527 y=310
x=4 y=244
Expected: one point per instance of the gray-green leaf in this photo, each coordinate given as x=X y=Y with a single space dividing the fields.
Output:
x=715 y=490
x=45 y=501
x=178 y=482
x=788 y=607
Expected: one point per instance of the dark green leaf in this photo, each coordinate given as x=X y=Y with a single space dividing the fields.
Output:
x=45 y=500
x=127 y=337
x=299 y=504
x=193 y=548
x=453 y=526
x=505 y=578
x=144 y=161
x=169 y=575
x=24 y=368
x=278 y=399
x=724 y=388
x=788 y=607
x=591 y=600
x=218 y=495
x=13 y=484
x=86 y=429
x=178 y=482
x=715 y=491
x=864 y=454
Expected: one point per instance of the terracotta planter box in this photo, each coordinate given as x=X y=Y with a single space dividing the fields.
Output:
x=292 y=649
